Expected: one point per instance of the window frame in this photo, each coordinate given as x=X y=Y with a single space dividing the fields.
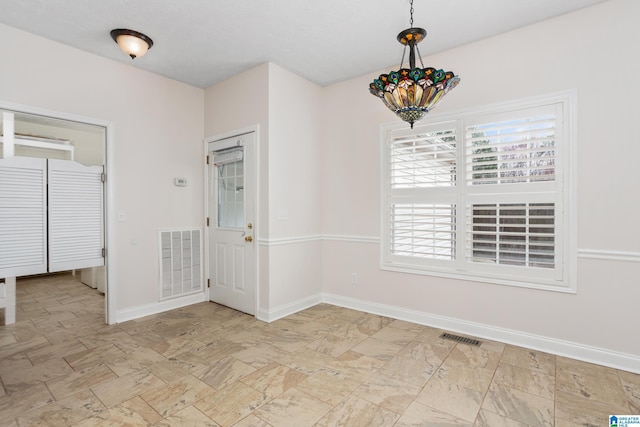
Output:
x=561 y=278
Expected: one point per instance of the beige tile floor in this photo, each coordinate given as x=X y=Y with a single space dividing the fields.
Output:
x=208 y=365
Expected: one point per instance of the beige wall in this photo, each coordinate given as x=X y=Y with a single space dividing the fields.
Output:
x=287 y=109
x=158 y=131
x=592 y=51
x=319 y=160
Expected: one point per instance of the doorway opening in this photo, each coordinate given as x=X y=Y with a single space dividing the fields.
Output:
x=71 y=237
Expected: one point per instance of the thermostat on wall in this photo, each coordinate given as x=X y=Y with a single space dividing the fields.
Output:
x=180 y=182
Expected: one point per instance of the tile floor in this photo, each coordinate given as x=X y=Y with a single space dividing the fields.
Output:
x=208 y=365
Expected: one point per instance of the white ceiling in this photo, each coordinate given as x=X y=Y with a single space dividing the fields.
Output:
x=203 y=42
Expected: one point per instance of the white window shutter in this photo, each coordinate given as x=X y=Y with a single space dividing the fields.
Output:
x=517 y=148
x=425 y=160
x=76 y=232
x=483 y=195
x=423 y=231
x=23 y=213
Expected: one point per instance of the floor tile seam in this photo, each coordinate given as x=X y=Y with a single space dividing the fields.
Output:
x=590 y=400
x=63 y=357
x=83 y=389
x=53 y=401
x=503 y=416
x=486 y=392
x=482 y=390
x=556 y=416
x=514 y=386
x=332 y=406
x=380 y=406
x=509 y=387
x=445 y=412
x=6 y=393
x=255 y=415
x=553 y=401
x=586 y=375
x=261 y=404
x=195 y=408
x=322 y=399
x=537 y=371
x=139 y=395
x=354 y=396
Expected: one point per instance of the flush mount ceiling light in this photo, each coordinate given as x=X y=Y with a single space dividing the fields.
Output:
x=131 y=42
x=412 y=92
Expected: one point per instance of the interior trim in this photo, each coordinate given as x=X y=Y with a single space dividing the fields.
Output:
x=600 y=356
x=608 y=255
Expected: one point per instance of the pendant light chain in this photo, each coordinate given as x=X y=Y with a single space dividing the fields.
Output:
x=404 y=51
x=411 y=11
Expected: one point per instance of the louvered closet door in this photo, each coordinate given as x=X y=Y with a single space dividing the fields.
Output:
x=76 y=231
x=23 y=213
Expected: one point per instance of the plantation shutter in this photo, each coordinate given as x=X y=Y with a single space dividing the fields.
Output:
x=422 y=224
x=23 y=213
x=518 y=234
x=76 y=234
x=512 y=162
x=425 y=231
x=518 y=148
x=424 y=161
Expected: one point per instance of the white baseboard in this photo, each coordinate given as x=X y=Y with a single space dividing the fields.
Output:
x=599 y=356
x=158 y=307
x=288 y=309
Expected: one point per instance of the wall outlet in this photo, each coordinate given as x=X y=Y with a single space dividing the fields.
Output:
x=354 y=278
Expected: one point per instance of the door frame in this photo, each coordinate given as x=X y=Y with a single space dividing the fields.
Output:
x=109 y=217
x=255 y=129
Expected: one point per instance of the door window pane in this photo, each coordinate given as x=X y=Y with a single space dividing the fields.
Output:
x=231 y=194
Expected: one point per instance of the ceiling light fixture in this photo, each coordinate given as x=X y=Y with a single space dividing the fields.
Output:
x=412 y=92
x=131 y=42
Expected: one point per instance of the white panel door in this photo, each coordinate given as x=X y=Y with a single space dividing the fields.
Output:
x=23 y=216
x=76 y=230
x=232 y=248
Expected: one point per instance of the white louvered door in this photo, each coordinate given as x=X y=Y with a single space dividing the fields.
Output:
x=23 y=216
x=76 y=231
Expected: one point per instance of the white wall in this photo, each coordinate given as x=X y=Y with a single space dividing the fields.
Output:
x=592 y=50
x=287 y=110
x=158 y=131
x=239 y=103
x=294 y=187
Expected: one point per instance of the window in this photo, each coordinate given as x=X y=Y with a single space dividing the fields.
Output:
x=484 y=195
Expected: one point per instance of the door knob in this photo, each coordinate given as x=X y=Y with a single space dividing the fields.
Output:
x=248 y=239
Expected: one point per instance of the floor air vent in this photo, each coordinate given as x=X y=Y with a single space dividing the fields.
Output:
x=460 y=339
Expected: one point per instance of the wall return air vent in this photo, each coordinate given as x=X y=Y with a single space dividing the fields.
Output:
x=180 y=263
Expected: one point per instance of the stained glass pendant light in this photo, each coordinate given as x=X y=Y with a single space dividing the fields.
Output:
x=412 y=92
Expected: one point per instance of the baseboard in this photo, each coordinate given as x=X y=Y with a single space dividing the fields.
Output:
x=288 y=309
x=158 y=307
x=599 y=356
